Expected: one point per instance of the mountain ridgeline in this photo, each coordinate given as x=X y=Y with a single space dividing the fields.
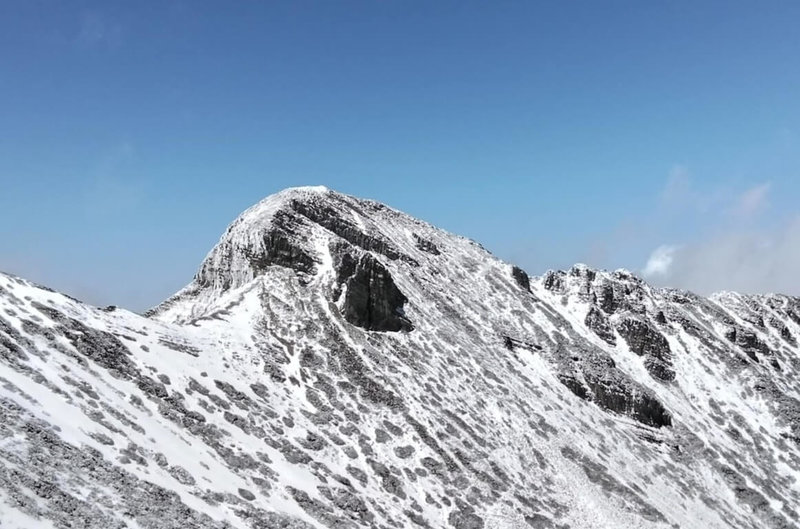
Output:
x=336 y=363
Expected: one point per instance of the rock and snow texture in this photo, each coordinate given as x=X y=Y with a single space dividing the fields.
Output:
x=336 y=363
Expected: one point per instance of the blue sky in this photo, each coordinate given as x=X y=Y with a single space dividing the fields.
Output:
x=663 y=139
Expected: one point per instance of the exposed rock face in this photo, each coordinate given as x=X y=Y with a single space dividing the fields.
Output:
x=236 y=260
x=784 y=331
x=521 y=277
x=645 y=340
x=329 y=217
x=599 y=324
x=282 y=388
x=554 y=281
x=606 y=299
x=371 y=300
x=426 y=245
x=748 y=342
x=592 y=375
x=280 y=250
x=618 y=301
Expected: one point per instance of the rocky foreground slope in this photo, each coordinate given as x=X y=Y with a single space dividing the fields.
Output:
x=336 y=363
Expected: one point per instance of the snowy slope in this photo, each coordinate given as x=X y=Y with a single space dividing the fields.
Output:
x=337 y=363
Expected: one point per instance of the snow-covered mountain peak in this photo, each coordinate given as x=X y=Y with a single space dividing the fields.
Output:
x=337 y=363
x=296 y=229
x=316 y=233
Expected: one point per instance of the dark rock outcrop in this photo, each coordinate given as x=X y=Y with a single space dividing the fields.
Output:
x=592 y=375
x=426 y=245
x=371 y=299
x=606 y=299
x=327 y=217
x=619 y=398
x=645 y=340
x=784 y=331
x=521 y=277
x=599 y=324
x=748 y=342
x=554 y=281
x=279 y=249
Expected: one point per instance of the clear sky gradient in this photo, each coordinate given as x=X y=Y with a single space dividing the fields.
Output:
x=663 y=139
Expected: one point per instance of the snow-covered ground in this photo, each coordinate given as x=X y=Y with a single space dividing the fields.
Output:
x=337 y=363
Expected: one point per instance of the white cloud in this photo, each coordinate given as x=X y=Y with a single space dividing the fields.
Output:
x=660 y=261
x=726 y=239
x=751 y=261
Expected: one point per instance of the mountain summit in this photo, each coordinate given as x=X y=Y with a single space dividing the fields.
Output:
x=337 y=363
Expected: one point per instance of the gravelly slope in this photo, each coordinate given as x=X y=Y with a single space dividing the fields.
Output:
x=336 y=363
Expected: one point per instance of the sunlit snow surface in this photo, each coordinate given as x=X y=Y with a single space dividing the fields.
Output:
x=248 y=400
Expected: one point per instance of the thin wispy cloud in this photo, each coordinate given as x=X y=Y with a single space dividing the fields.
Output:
x=678 y=189
x=753 y=201
x=97 y=29
x=681 y=193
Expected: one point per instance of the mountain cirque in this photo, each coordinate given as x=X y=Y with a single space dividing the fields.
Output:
x=337 y=363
